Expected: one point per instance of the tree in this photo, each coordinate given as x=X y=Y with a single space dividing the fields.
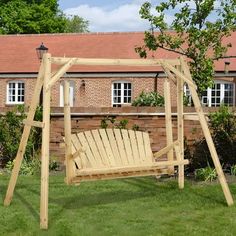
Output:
x=33 y=16
x=199 y=27
x=76 y=24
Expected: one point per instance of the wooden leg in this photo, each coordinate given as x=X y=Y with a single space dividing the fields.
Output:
x=168 y=120
x=208 y=138
x=180 y=130
x=45 y=146
x=24 y=139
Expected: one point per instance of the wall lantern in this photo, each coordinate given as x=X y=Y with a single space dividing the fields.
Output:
x=41 y=50
x=226 y=69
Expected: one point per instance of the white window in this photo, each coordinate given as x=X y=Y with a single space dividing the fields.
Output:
x=72 y=97
x=121 y=93
x=222 y=92
x=15 y=92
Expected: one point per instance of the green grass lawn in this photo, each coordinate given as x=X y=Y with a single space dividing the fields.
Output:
x=135 y=206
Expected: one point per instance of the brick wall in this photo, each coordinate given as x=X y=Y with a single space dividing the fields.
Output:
x=148 y=119
x=96 y=92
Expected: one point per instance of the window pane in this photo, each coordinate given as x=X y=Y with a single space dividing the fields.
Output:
x=121 y=93
x=16 y=92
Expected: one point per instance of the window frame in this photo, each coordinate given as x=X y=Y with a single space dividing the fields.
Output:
x=71 y=93
x=122 y=82
x=16 y=82
x=209 y=95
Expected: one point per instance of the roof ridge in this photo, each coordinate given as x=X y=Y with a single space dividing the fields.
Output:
x=68 y=34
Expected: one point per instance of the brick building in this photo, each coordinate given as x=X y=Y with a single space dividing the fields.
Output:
x=96 y=86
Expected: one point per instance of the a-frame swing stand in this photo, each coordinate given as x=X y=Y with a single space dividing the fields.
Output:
x=135 y=145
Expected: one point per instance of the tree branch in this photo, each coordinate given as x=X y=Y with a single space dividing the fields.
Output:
x=172 y=50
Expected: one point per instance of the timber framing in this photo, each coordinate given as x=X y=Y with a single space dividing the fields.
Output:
x=144 y=162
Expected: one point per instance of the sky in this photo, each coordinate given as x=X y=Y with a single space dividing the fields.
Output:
x=115 y=15
x=108 y=15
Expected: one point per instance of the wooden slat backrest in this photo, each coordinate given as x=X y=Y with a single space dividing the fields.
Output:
x=106 y=148
x=121 y=147
x=134 y=146
x=85 y=143
x=114 y=146
x=140 y=142
x=94 y=148
x=81 y=161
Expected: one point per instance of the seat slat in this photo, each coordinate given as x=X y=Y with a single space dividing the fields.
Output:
x=88 y=152
x=82 y=160
x=140 y=146
x=127 y=145
x=101 y=148
x=130 y=168
x=147 y=147
x=114 y=146
x=107 y=146
x=121 y=146
x=134 y=147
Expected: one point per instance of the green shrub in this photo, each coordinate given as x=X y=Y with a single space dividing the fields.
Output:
x=32 y=166
x=111 y=122
x=28 y=167
x=233 y=170
x=53 y=165
x=206 y=174
x=11 y=128
x=222 y=124
x=152 y=99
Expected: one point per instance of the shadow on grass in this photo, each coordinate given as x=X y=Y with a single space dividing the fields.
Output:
x=120 y=191
x=28 y=205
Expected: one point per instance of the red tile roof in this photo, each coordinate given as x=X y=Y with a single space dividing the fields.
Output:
x=18 y=55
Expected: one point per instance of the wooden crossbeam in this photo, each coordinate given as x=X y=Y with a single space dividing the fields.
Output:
x=113 y=62
x=34 y=123
x=60 y=72
x=180 y=74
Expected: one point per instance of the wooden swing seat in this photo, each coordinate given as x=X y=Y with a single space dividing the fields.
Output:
x=115 y=153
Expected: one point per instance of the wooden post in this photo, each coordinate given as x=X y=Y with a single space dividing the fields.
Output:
x=24 y=138
x=208 y=137
x=168 y=121
x=180 y=125
x=45 y=143
x=67 y=125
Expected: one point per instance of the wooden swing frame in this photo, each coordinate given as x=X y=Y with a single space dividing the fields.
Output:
x=176 y=70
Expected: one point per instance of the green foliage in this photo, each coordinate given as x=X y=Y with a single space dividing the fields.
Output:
x=53 y=165
x=116 y=124
x=76 y=24
x=28 y=167
x=199 y=29
x=206 y=174
x=31 y=166
x=222 y=124
x=34 y=17
x=104 y=122
x=233 y=169
x=11 y=128
x=152 y=99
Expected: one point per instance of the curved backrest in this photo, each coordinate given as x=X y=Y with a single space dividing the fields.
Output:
x=111 y=148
